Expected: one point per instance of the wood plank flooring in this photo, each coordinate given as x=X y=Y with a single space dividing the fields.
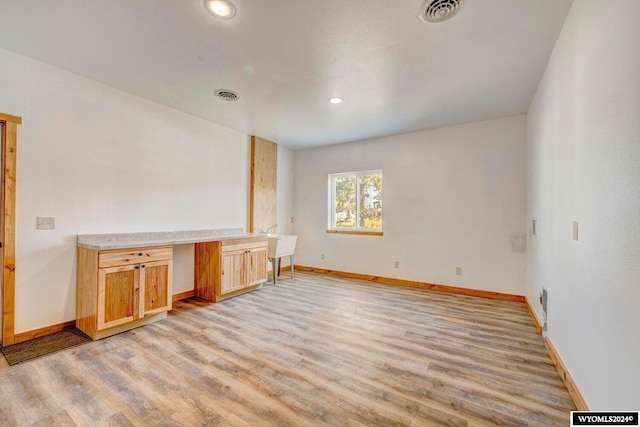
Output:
x=313 y=351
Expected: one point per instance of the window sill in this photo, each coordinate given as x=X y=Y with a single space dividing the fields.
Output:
x=365 y=233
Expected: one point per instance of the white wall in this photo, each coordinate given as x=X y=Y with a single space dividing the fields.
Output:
x=100 y=161
x=452 y=197
x=584 y=165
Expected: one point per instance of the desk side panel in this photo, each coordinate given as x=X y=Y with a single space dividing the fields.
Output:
x=207 y=269
x=87 y=291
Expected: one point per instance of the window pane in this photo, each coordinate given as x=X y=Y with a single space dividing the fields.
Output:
x=345 y=202
x=370 y=201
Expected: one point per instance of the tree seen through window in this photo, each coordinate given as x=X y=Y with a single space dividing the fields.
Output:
x=357 y=200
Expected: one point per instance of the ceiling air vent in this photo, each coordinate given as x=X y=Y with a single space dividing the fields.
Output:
x=439 y=10
x=226 y=95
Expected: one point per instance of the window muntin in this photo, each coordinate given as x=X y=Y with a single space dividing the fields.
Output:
x=355 y=201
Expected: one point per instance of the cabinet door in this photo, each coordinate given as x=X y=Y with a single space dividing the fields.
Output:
x=118 y=295
x=257 y=266
x=233 y=271
x=155 y=293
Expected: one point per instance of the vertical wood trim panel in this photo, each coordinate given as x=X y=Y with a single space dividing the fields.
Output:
x=262 y=198
x=9 y=157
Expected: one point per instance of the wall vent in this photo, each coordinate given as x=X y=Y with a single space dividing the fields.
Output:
x=439 y=10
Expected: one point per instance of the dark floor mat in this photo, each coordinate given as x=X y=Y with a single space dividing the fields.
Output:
x=42 y=346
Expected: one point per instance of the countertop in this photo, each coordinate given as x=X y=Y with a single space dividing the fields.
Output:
x=100 y=242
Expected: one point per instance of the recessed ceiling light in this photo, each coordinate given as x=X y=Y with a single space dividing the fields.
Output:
x=220 y=8
x=336 y=100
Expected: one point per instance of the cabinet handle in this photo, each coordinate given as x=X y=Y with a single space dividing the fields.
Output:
x=143 y=266
x=140 y=254
x=137 y=268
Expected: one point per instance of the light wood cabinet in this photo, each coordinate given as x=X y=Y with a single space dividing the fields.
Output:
x=117 y=296
x=122 y=289
x=257 y=266
x=228 y=268
x=233 y=273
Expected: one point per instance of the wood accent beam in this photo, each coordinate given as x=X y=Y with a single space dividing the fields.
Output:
x=581 y=404
x=414 y=284
x=9 y=160
x=41 y=332
x=262 y=197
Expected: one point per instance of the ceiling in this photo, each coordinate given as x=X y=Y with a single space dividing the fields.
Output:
x=286 y=58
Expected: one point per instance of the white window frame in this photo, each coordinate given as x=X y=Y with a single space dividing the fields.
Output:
x=331 y=226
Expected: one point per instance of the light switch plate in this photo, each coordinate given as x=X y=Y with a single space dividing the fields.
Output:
x=45 y=223
x=575 y=230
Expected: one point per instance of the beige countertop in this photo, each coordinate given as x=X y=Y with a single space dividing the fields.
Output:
x=100 y=242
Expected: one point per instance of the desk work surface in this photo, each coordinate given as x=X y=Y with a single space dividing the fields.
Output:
x=99 y=242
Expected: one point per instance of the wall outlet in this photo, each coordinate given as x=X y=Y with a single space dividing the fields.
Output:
x=291 y=220
x=533 y=226
x=321 y=256
x=396 y=264
x=458 y=271
x=45 y=223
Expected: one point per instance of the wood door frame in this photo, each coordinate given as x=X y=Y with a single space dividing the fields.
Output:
x=8 y=232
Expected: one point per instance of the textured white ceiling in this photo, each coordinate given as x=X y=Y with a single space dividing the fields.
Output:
x=285 y=58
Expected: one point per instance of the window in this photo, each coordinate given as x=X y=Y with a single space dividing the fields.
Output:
x=355 y=201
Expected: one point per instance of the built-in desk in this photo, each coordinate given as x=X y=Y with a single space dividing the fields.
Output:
x=125 y=280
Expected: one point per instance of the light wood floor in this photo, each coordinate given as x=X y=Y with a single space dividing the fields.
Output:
x=316 y=350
